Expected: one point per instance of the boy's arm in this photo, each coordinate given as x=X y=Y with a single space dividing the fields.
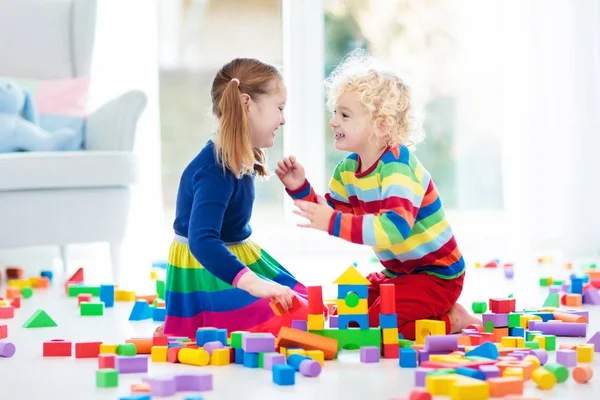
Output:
x=334 y=199
x=402 y=195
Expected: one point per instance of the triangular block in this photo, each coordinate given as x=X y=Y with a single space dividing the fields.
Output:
x=595 y=340
x=487 y=350
x=591 y=296
x=141 y=310
x=351 y=277
x=39 y=319
x=553 y=300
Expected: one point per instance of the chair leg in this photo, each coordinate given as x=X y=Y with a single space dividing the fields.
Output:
x=64 y=258
x=115 y=256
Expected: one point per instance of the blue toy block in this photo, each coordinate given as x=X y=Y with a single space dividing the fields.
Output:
x=294 y=360
x=175 y=344
x=205 y=335
x=545 y=316
x=251 y=360
x=514 y=332
x=576 y=286
x=284 y=375
x=239 y=356
x=107 y=295
x=487 y=350
x=361 y=290
x=47 y=274
x=161 y=264
x=400 y=336
x=222 y=336
x=136 y=396
x=471 y=373
x=361 y=319
x=194 y=398
x=408 y=357
x=388 y=321
x=159 y=314
x=141 y=310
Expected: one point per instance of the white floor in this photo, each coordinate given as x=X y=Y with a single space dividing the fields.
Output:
x=27 y=375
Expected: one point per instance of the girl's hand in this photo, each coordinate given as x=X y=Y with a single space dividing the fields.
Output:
x=319 y=214
x=291 y=173
x=258 y=287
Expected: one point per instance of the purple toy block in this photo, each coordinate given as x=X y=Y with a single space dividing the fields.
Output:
x=542 y=355
x=499 y=320
x=193 y=382
x=490 y=371
x=311 y=368
x=131 y=364
x=566 y=287
x=258 y=343
x=595 y=340
x=591 y=296
x=420 y=374
x=568 y=358
x=571 y=329
x=509 y=273
x=299 y=324
x=555 y=289
x=517 y=355
x=7 y=349
x=369 y=354
x=423 y=356
x=164 y=386
x=270 y=359
x=212 y=346
x=333 y=321
x=446 y=343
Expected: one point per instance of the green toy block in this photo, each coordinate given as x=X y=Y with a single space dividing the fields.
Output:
x=75 y=290
x=351 y=299
x=550 y=342
x=91 y=309
x=557 y=283
x=405 y=343
x=442 y=371
x=39 y=319
x=514 y=320
x=126 y=349
x=534 y=345
x=545 y=282
x=489 y=327
x=553 y=300
x=160 y=289
x=479 y=307
x=353 y=338
x=107 y=378
x=261 y=360
x=236 y=339
x=26 y=292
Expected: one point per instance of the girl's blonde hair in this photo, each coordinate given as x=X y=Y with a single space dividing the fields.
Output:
x=233 y=143
x=386 y=97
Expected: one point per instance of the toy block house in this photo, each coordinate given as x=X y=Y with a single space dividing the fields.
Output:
x=351 y=301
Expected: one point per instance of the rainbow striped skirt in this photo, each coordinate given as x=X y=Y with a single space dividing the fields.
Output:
x=195 y=298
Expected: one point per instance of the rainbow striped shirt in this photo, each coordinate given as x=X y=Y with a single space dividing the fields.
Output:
x=395 y=208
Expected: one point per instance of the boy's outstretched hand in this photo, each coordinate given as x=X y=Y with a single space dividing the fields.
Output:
x=319 y=214
x=291 y=173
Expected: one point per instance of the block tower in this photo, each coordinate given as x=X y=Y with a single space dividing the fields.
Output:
x=352 y=305
x=388 y=321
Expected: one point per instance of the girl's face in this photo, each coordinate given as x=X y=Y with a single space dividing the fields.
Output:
x=265 y=114
x=350 y=124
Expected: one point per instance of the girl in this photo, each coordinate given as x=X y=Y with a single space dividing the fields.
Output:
x=381 y=196
x=217 y=276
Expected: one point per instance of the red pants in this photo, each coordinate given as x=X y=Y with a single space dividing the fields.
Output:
x=418 y=296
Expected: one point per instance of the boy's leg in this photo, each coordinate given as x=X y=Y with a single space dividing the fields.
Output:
x=418 y=296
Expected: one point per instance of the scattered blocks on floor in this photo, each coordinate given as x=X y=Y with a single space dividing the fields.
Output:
x=369 y=354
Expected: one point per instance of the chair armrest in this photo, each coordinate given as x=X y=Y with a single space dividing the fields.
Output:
x=113 y=126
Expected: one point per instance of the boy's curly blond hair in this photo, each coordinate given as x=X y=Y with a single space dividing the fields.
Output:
x=386 y=97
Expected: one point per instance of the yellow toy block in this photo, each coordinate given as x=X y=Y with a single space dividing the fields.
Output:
x=390 y=335
x=533 y=360
x=316 y=322
x=351 y=276
x=514 y=372
x=541 y=340
x=4 y=303
x=439 y=385
x=449 y=359
x=316 y=355
x=544 y=379
x=467 y=388
x=106 y=348
x=585 y=353
x=282 y=350
x=124 y=295
x=525 y=318
x=295 y=351
x=427 y=327
x=220 y=357
x=509 y=341
x=33 y=281
x=344 y=309
x=158 y=353
x=153 y=275
x=19 y=283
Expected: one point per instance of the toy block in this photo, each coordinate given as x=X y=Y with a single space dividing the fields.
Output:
x=271 y=359
x=553 y=300
x=571 y=329
x=193 y=382
x=131 y=365
x=7 y=312
x=220 y=357
x=439 y=385
x=34 y=281
x=3 y=331
x=124 y=295
x=106 y=361
x=160 y=341
x=106 y=348
x=516 y=332
x=13 y=272
x=515 y=342
x=77 y=277
x=160 y=303
x=389 y=335
x=294 y=360
x=76 y=289
x=142 y=345
x=351 y=277
x=369 y=354
x=237 y=338
x=315 y=300
x=277 y=308
x=140 y=388
x=173 y=354
x=161 y=386
x=57 y=348
x=560 y=372
x=426 y=327
x=543 y=379
x=353 y=338
x=522 y=369
x=502 y=306
x=258 y=342
x=150 y=298
x=140 y=311
x=387 y=296
x=487 y=350
x=497 y=320
x=408 y=358
x=284 y=375
x=361 y=319
x=302 y=325
x=107 y=295
x=441 y=343
x=26 y=292
x=310 y=368
x=107 y=378
x=316 y=322
x=83 y=298
x=209 y=334
x=467 y=388
x=212 y=346
x=352 y=305
x=21 y=283
x=582 y=373
x=499 y=333
x=479 y=307
x=15 y=302
x=289 y=337
x=362 y=291
x=289 y=352
x=512 y=372
x=390 y=351
x=91 y=309
x=159 y=353
x=585 y=353
x=198 y=357
x=159 y=314
x=250 y=360
x=127 y=349
x=568 y=358
x=333 y=321
x=316 y=355
x=87 y=349
x=573 y=300
x=39 y=319
x=405 y=343
x=12 y=292
x=471 y=373
x=161 y=289
x=388 y=321
x=7 y=349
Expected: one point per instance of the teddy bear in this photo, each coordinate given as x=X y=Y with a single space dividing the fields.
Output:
x=19 y=128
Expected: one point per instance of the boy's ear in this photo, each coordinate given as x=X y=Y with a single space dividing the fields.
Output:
x=383 y=127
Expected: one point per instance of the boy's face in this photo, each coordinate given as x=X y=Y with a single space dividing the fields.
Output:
x=350 y=123
x=266 y=114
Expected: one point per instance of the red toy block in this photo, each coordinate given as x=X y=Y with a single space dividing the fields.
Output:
x=480 y=338
x=87 y=349
x=391 y=351
x=502 y=306
x=7 y=312
x=315 y=300
x=16 y=302
x=387 y=293
x=3 y=331
x=14 y=272
x=419 y=394
x=84 y=297
x=160 y=341
x=477 y=327
x=173 y=354
x=57 y=348
x=106 y=361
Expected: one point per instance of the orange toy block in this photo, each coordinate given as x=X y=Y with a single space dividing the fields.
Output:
x=142 y=345
x=297 y=303
x=42 y=283
x=290 y=338
x=140 y=388
x=526 y=366
x=582 y=373
x=566 y=317
x=149 y=298
x=573 y=300
x=12 y=292
x=499 y=333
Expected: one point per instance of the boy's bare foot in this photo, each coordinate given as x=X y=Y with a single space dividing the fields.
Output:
x=159 y=331
x=460 y=318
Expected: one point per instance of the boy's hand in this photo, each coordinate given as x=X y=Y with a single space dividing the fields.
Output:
x=291 y=173
x=319 y=214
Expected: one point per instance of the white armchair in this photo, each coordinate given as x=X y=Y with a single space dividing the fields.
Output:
x=60 y=198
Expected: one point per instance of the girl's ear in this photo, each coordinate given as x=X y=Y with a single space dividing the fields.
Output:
x=246 y=99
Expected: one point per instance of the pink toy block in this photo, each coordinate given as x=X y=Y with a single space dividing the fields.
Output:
x=3 y=331
x=106 y=361
x=7 y=312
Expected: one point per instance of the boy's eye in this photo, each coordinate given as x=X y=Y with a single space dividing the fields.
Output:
x=344 y=115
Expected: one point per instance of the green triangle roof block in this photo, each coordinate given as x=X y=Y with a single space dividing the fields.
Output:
x=39 y=319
